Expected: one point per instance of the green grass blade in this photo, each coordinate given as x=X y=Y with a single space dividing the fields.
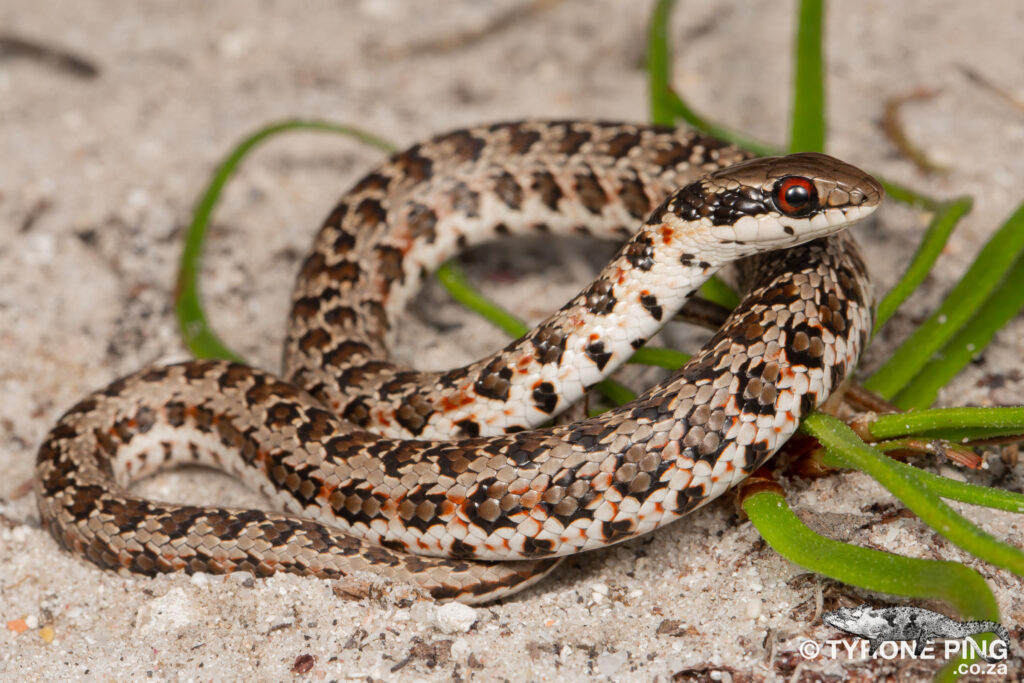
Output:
x=670 y=359
x=460 y=289
x=808 y=129
x=615 y=393
x=939 y=229
x=973 y=436
x=904 y=195
x=665 y=105
x=659 y=63
x=1004 y=420
x=951 y=489
x=1004 y=304
x=986 y=496
x=842 y=443
x=684 y=111
x=951 y=582
x=874 y=570
x=716 y=291
x=195 y=329
x=988 y=269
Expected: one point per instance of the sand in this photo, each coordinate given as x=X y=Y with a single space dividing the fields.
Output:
x=97 y=179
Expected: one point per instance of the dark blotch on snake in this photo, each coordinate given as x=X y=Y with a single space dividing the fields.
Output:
x=370 y=213
x=538 y=547
x=344 y=271
x=621 y=143
x=520 y=141
x=633 y=197
x=389 y=261
x=640 y=252
x=315 y=339
x=345 y=352
x=650 y=303
x=344 y=241
x=599 y=298
x=468 y=427
x=508 y=191
x=590 y=192
x=422 y=223
x=412 y=164
x=574 y=139
x=339 y=316
x=545 y=185
x=548 y=344
x=493 y=382
x=729 y=206
x=544 y=397
x=376 y=183
x=596 y=353
x=464 y=145
x=465 y=200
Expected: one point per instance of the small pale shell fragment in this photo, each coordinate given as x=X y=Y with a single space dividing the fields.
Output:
x=454 y=617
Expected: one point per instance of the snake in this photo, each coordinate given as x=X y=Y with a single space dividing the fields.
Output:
x=450 y=480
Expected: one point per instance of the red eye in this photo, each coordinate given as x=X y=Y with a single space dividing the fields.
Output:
x=795 y=196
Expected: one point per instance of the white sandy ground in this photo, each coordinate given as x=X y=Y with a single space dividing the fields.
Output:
x=97 y=178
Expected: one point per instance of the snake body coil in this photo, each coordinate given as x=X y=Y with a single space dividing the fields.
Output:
x=354 y=446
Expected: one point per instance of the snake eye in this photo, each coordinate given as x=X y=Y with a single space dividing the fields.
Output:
x=795 y=196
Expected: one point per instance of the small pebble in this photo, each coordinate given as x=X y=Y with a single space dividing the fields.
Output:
x=244 y=578
x=32 y=621
x=753 y=609
x=168 y=613
x=303 y=664
x=461 y=649
x=454 y=617
x=610 y=662
x=17 y=625
x=46 y=633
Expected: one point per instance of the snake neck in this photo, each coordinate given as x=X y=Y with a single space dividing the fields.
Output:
x=432 y=201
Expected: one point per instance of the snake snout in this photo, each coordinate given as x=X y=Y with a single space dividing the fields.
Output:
x=814 y=195
x=841 y=185
x=776 y=202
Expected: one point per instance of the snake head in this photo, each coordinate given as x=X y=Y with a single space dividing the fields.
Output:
x=776 y=202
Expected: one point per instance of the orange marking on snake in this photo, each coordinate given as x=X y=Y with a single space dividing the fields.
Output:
x=519 y=490
x=460 y=399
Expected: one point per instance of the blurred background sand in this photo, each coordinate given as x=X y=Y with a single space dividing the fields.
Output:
x=98 y=173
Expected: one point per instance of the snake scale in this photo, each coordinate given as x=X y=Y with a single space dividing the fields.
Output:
x=444 y=479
